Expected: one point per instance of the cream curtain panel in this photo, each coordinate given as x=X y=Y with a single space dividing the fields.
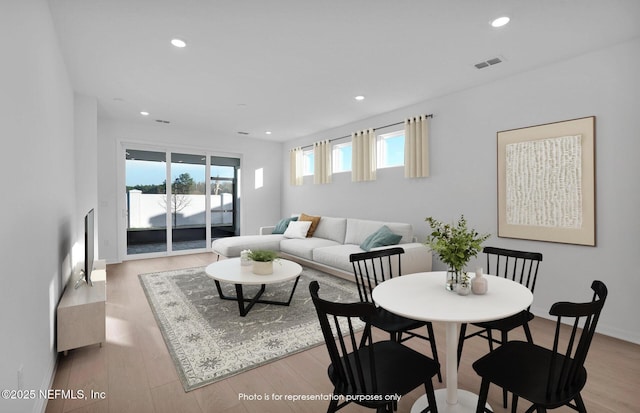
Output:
x=322 y=162
x=363 y=156
x=416 y=147
x=295 y=166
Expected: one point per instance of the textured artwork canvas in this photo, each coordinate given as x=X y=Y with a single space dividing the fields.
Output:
x=546 y=182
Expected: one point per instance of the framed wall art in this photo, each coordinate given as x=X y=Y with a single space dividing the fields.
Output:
x=546 y=182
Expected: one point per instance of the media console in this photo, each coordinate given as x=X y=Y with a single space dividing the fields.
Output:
x=81 y=318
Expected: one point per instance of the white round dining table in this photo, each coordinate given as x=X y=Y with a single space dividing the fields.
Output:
x=423 y=296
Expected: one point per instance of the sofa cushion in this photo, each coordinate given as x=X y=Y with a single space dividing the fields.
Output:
x=359 y=229
x=314 y=223
x=336 y=256
x=297 y=229
x=303 y=248
x=232 y=246
x=381 y=238
x=282 y=225
x=331 y=228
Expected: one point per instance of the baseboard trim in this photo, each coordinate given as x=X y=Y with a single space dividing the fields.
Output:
x=47 y=383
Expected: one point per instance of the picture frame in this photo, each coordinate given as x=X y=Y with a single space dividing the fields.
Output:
x=546 y=182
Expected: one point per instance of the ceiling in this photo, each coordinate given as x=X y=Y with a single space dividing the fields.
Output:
x=293 y=67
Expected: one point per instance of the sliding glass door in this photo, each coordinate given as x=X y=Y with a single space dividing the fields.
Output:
x=188 y=201
x=168 y=195
x=146 y=185
x=224 y=196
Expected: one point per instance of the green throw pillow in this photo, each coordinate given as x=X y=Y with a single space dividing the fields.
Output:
x=282 y=225
x=380 y=238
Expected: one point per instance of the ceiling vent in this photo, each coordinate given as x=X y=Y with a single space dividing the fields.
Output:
x=162 y=121
x=243 y=133
x=490 y=62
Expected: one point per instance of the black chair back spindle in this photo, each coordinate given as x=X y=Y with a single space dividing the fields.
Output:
x=374 y=267
x=342 y=344
x=567 y=361
x=518 y=266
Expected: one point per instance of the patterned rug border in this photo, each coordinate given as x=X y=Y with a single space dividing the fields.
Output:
x=174 y=353
x=167 y=343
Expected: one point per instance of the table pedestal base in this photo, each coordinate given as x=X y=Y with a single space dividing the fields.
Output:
x=467 y=402
x=241 y=299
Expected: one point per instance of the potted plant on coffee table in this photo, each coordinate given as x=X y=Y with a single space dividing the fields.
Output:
x=455 y=244
x=262 y=261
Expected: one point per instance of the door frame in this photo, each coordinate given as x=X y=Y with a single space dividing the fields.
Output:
x=121 y=206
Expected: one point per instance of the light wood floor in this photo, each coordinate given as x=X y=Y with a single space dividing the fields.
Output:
x=136 y=374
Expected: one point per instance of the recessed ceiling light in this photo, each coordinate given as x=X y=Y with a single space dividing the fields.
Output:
x=500 y=21
x=268 y=132
x=178 y=42
x=143 y=113
x=359 y=97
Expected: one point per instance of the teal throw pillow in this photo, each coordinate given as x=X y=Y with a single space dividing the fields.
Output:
x=380 y=238
x=282 y=225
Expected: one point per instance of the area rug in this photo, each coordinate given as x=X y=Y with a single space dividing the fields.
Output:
x=209 y=341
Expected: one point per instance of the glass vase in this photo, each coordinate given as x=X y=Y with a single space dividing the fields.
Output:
x=244 y=258
x=453 y=279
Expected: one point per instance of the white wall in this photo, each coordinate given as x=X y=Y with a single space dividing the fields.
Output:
x=258 y=206
x=38 y=220
x=463 y=174
x=86 y=164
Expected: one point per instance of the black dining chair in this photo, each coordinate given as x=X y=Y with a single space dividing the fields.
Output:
x=370 y=269
x=518 y=266
x=548 y=378
x=370 y=374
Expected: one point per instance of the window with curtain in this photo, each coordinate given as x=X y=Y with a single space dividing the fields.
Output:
x=363 y=156
x=307 y=162
x=416 y=147
x=341 y=157
x=390 y=149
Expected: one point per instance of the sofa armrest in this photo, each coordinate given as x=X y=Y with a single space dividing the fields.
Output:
x=267 y=230
x=416 y=258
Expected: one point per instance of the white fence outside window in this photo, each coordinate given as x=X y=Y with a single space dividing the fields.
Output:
x=149 y=210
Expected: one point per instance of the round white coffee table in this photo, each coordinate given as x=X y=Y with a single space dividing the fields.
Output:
x=230 y=271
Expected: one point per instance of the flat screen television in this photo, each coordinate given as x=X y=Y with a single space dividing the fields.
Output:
x=89 y=225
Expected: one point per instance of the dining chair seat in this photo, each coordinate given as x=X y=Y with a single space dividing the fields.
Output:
x=523 y=368
x=508 y=323
x=393 y=323
x=391 y=373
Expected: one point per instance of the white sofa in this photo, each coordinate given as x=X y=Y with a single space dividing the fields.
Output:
x=333 y=241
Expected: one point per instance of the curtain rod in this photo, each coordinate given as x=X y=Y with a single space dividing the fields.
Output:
x=375 y=129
